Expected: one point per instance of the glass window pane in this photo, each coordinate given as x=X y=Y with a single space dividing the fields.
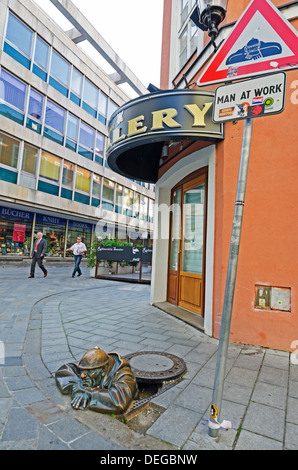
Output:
x=136 y=205
x=50 y=167
x=119 y=194
x=35 y=104
x=96 y=186
x=76 y=82
x=86 y=136
x=90 y=94
x=175 y=230
x=19 y=35
x=67 y=174
x=143 y=207
x=55 y=116
x=100 y=140
x=9 y=149
x=12 y=91
x=60 y=68
x=193 y=230
x=72 y=127
x=41 y=53
x=108 y=190
x=102 y=105
x=128 y=197
x=83 y=180
x=111 y=108
x=30 y=155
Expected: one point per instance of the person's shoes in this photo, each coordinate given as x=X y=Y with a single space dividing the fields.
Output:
x=45 y=274
x=79 y=274
x=72 y=276
x=30 y=276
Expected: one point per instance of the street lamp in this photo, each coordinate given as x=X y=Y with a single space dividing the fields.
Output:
x=208 y=15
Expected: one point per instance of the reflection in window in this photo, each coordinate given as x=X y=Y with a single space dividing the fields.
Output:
x=30 y=155
x=19 y=35
x=12 y=90
x=128 y=201
x=90 y=94
x=60 y=68
x=41 y=53
x=55 y=116
x=108 y=190
x=96 y=186
x=76 y=82
x=35 y=105
x=72 y=127
x=102 y=104
x=67 y=174
x=9 y=149
x=50 y=167
x=83 y=178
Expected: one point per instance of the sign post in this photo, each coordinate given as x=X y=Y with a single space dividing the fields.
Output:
x=230 y=281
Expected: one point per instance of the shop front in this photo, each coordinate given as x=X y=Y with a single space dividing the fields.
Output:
x=169 y=138
x=15 y=231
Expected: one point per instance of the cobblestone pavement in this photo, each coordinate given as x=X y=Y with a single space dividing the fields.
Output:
x=47 y=322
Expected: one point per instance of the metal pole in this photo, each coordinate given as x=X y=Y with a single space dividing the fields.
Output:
x=231 y=278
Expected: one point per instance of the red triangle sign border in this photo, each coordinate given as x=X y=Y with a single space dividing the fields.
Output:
x=282 y=27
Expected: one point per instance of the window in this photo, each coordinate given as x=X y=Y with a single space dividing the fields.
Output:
x=136 y=205
x=50 y=167
x=143 y=207
x=72 y=132
x=108 y=190
x=102 y=104
x=35 y=105
x=99 y=148
x=41 y=58
x=55 y=117
x=90 y=98
x=60 y=68
x=83 y=178
x=12 y=90
x=111 y=108
x=19 y=35
x=9 y=149
x=30 y=155
x=67 y=174
x=86 y=141
x=96 y=186
x=128 y=201
x=76 y=86
x=183 y=48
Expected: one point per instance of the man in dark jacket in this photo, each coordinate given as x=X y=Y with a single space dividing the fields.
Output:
x=39 y=249
x=102 y=382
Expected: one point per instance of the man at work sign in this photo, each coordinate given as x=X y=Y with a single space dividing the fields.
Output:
x=260 y=96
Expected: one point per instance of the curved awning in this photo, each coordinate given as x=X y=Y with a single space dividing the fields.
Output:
x=139 y=129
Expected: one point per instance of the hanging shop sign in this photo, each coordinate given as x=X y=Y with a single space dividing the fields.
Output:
x=257 y=97
x=139 y=129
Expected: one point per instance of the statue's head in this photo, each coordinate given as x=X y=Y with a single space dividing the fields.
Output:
x=93 y=366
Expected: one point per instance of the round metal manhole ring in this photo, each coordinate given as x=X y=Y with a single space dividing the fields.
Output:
x=155 y=366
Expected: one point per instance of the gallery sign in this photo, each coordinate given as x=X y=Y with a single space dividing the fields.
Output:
x=139 y=129
x=257 y=97
x=124 y=253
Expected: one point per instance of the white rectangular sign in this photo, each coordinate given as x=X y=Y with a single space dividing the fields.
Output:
x=257 y=97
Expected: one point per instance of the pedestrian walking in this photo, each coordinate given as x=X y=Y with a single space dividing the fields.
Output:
x=78 y=250
x=39 y=249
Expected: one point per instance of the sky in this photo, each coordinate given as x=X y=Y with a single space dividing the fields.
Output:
x=133 y=28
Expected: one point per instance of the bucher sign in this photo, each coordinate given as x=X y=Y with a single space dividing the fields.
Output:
x=139 y=129
x=129 y=254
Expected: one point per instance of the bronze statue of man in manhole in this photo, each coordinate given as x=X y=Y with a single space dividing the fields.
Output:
x=99 y=381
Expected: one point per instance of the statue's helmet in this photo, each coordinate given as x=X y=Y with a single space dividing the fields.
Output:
x=93 y=359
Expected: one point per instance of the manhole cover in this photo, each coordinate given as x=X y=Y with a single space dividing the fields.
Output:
x=154 y=366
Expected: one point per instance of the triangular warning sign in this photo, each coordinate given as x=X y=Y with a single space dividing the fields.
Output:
x=262 y=41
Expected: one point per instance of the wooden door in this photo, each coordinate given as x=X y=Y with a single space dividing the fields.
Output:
x=191 y=266
x=175 y=246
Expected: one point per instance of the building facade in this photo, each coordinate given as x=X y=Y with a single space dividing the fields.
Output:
x=55 y=103
x=196 y=178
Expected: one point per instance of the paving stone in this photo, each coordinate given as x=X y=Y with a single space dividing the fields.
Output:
x=93 y=441
x=265 y=420
x=20 y=425
x=68 y=429
x=28 y=396
x=251 y=441
x=270 y=394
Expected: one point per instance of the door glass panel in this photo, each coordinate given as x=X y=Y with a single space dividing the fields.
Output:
x=193 y=230
x=175 y=230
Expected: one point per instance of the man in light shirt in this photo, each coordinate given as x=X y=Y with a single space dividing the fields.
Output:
x=78 y=250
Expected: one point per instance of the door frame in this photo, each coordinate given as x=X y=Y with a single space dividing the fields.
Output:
x=187 y=182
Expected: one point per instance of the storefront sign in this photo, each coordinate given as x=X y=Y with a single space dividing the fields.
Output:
x=79 y=225
x=257 y=97
x=124 y=253
x=19 y=231
x=139 y=129
x=50 y=220
x=15 y=213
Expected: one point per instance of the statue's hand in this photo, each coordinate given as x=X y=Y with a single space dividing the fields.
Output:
x=80 y=396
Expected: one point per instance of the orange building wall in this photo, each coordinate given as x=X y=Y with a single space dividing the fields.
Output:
x=268 y=254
